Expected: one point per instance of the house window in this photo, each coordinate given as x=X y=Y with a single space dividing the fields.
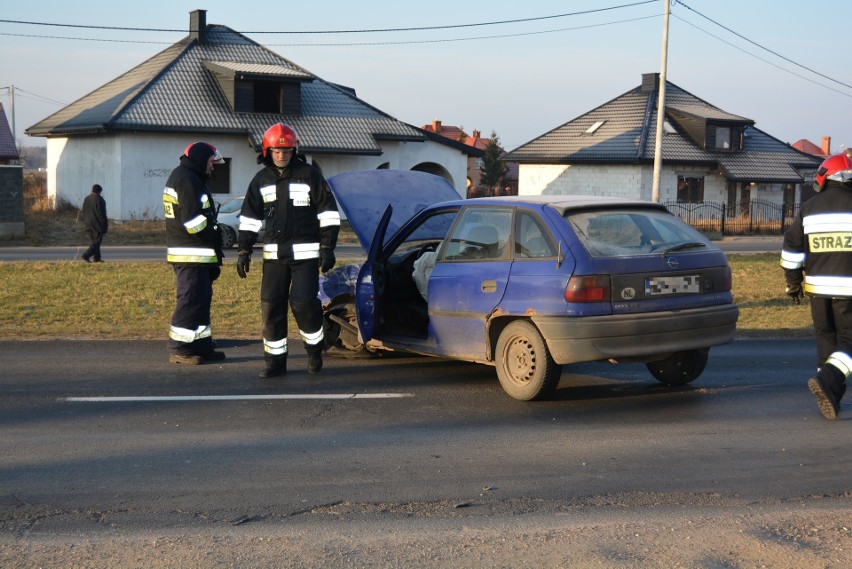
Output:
x=220 y=181
x=267 y=97
x=594 y=127
x=723 y=138
x=690 y=190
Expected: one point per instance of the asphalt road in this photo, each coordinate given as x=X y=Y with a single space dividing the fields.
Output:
x=104 y=440
x=740 y=245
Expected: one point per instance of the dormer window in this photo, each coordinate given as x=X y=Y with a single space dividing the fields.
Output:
x=725 y=138
x=260 y=88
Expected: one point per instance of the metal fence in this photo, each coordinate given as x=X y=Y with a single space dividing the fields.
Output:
x=755 y=217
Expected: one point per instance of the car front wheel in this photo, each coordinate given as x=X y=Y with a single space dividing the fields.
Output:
x=229 y=237
x=679 y=368
x=524 y=365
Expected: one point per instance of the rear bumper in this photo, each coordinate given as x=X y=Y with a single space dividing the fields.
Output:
x=573 y=340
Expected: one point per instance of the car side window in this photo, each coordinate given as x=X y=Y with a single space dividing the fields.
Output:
x=481 y=234
x=531 y=238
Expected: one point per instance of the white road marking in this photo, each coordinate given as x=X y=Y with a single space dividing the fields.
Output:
x=237 y=397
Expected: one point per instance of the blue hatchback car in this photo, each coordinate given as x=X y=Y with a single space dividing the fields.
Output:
x=526 y=283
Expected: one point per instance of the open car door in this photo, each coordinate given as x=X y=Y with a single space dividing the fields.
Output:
x=370 y=285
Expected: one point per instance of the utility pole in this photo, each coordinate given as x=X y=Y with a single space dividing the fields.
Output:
x=661 y=108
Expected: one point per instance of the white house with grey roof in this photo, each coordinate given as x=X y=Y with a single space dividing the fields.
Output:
x=219 y=86
x=708 y=155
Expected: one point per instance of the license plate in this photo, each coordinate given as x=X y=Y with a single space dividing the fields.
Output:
x=672 y=285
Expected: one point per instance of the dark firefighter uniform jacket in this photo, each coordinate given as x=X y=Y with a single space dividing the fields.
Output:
x=817 y=251
x=298 y=206
x=191 y=231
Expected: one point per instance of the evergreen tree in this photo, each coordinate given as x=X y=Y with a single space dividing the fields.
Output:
x=493 y=169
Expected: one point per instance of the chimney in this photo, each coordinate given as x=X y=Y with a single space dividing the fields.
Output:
x=826 y=145
x=650 y=82
x=198 y=26
x=436 y=126
x=476 y=134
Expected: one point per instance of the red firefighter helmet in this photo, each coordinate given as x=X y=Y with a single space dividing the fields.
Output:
x=280 y=135
x=836 y=167
x=216 y=156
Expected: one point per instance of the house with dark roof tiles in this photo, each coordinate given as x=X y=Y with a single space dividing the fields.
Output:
x=219 y=86
x=708 y=154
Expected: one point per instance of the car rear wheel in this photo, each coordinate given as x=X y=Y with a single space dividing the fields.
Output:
x=524 y=365
x=229 y=237
x=679 y=368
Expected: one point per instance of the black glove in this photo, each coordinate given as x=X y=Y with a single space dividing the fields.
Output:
x=794 y=291
x=326 y=259
x=243 y=263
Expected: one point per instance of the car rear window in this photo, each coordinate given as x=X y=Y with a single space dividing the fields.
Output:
x=630 y=232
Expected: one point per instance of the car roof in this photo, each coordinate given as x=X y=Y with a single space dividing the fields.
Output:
x=564 y=203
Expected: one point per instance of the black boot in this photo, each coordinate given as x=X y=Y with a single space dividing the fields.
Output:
x=274 y=367
x=828 y=386
x=315 y=362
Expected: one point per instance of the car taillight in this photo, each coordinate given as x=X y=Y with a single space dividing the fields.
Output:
x=594 y=288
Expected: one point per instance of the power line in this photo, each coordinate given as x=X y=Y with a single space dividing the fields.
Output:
x=775 y=53
x=84 y=39
x=500 y=36
x=762 y=59
x=377 y=30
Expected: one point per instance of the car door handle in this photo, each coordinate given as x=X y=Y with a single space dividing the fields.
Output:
x=488 y=286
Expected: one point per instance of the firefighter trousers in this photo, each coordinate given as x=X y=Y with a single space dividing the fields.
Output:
x=190 y=331
x=832 y=319
x=295 y=283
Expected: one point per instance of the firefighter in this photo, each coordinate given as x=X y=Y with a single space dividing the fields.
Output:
x=195 y=253
x=302 y=223
x=817 y=262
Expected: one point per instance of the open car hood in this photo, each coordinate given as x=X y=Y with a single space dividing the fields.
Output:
x=365 y=194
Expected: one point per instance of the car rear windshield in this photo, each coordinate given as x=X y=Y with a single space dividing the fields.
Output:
x=629 y=232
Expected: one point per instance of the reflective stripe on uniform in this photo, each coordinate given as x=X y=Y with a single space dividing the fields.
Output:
x=275 y=347
x=828 y=286
x=300 y=194
x=250 y=224
x=301 y=251
x=312 y=338
x=328 y=218
x=305 y=251
x=270 y=250
x=188 y=336
x=191 y=255
x=792 y=260
x=196 y=224
x=827 y=223
x=268 y=193
x=170 y=195
x=841 y=361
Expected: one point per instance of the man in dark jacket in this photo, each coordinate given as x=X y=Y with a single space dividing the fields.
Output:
x=195 y=252
x=302 y=223
x=817 y=262
x=95 y=218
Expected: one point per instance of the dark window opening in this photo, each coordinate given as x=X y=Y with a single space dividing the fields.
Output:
x=267 y=97
x=690 y=190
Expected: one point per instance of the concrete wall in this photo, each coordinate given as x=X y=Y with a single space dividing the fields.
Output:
x=629 y=181
x=133 y=168
x=11 y=200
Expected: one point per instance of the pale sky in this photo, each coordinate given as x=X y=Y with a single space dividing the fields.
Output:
x=519 y=79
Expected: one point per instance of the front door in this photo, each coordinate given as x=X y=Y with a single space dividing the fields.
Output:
x=469 y=280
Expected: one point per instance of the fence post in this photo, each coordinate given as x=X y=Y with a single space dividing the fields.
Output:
x=722 y=218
